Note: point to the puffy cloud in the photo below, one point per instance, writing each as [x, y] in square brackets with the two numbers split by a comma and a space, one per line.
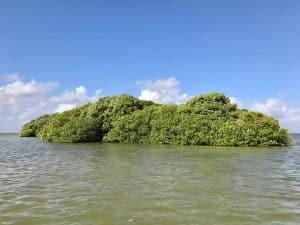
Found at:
[64, 107]
[273, 106]
[32, 88]
[288, 115]
[22, 101]
[70, 99]
[166, 91]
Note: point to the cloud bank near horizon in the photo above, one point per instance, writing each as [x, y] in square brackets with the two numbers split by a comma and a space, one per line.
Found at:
[22, 101]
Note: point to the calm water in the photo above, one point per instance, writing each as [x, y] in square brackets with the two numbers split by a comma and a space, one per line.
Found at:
[43, 183]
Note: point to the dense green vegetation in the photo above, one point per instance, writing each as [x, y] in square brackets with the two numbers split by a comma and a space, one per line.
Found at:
[33, 128]
[208, 119]
[88, 123]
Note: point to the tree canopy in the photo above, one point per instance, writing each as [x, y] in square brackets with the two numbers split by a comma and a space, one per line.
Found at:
[209, 119]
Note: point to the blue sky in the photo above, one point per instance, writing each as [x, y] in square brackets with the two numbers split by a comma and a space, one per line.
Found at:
[246, 49]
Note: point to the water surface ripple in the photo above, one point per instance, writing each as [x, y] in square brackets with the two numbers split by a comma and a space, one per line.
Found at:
[45, 183]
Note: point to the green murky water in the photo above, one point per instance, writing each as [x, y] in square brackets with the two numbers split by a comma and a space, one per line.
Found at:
[44, 183]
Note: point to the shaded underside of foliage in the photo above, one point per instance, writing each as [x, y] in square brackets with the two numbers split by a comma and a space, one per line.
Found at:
[208, 119]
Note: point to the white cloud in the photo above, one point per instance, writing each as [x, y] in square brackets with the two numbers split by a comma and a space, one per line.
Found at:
[22, 101]
[288, 115]
[32, 88]
[273, 106]
[70, 99]
[64, 107]
[166, 91]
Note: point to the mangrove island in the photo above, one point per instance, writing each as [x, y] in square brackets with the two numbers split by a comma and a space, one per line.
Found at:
[208, 119]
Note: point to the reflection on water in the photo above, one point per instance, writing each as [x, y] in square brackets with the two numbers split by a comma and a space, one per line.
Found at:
[44, 183]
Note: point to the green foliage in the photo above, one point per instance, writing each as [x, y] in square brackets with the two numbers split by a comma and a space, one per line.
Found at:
[71, 126]
[212, 105]
[208, 119]
[33, 128]
[251, 129]
[89, 123]
[160, 125]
